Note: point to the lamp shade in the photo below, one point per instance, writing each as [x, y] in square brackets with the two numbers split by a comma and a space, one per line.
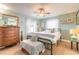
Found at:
[71, 31]
[74, 31]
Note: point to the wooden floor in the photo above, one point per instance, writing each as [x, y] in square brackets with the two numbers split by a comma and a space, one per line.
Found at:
[62, 49]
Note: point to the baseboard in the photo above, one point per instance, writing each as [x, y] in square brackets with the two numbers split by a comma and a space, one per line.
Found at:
[2, 47]
[65, 40]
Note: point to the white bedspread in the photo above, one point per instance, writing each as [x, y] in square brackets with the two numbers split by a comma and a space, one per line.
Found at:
[32, 47]
[50, 36]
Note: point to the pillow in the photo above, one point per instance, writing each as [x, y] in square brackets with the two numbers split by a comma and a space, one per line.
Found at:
[49, 30]
[34, 38]
[46, 30]
[52, 30]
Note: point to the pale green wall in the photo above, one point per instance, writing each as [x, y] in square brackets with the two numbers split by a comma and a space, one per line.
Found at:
[64, 27]
[67, 26]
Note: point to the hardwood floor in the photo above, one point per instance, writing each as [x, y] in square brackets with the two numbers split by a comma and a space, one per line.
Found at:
[62, 49]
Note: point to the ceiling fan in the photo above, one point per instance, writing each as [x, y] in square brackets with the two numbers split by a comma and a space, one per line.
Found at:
[42, 12]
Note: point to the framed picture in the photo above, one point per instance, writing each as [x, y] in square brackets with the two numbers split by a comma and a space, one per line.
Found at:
[67, 21]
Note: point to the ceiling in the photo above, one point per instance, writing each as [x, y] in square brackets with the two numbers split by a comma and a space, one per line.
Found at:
[54, 8]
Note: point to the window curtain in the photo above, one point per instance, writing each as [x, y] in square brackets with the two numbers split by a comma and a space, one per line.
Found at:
[31, 25]
[50, 24]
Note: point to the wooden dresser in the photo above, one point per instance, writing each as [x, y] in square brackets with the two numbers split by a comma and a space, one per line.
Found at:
[9, 35]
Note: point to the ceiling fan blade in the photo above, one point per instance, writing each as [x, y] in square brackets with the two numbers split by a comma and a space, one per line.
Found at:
[48, 13]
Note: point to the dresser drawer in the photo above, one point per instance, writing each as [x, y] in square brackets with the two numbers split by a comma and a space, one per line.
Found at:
[9, 35]
[10, 42]
[13, 31]
[1, 42]
[10, 38]
[9, 29]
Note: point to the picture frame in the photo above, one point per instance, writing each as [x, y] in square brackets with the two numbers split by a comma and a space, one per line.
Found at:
[67, 21]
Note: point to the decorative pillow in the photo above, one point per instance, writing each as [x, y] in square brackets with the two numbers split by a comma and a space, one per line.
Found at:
[34, 38]
[52, 30]
[49, 30]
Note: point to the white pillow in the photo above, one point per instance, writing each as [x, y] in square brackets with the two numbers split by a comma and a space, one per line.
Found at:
[34, 38]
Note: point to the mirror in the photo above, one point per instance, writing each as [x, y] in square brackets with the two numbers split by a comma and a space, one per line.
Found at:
[77, 18]
[1, 21]
[8, 20]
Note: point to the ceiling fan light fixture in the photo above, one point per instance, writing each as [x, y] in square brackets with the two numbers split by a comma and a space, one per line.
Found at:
[42, 12]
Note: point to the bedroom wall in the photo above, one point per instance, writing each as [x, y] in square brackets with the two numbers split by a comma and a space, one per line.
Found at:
[41, 25]
[64, 27]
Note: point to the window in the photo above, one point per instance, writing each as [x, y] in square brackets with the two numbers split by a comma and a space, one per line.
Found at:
[52, 23]
[31, 26]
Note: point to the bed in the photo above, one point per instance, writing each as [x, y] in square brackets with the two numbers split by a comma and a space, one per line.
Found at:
[53, 37]
[46, 37]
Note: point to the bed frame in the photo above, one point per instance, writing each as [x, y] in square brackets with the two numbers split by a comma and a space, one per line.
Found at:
[50, 43]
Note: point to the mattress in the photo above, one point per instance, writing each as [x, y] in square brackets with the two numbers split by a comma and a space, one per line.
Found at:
[53, 37]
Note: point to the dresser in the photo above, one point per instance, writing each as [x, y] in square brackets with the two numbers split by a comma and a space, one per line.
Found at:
[9, 35]
[9, 30]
